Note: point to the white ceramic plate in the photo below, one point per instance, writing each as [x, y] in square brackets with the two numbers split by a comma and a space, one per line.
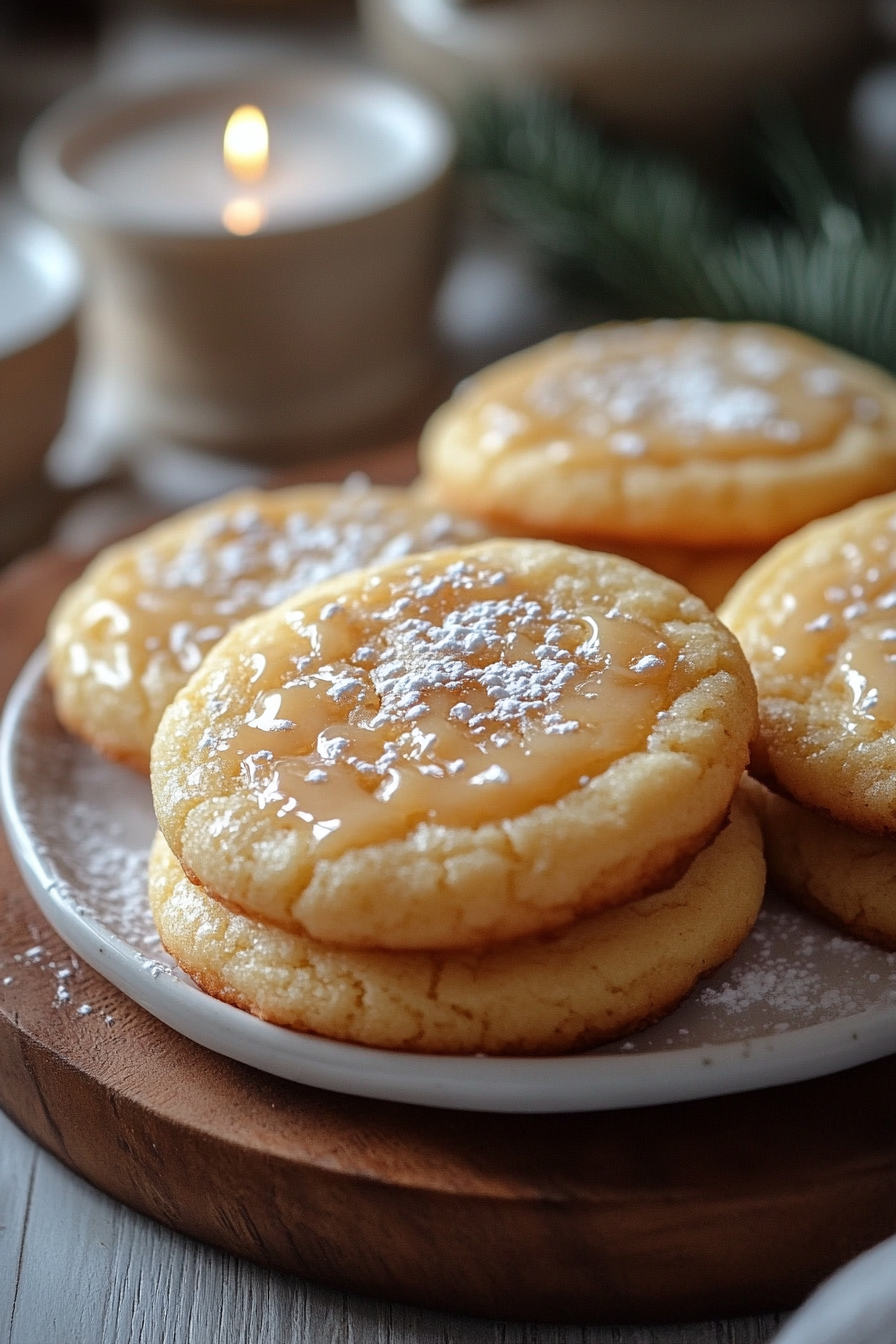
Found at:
[796, 1002]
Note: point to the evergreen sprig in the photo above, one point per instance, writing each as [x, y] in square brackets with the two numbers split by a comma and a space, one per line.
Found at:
[646, 229]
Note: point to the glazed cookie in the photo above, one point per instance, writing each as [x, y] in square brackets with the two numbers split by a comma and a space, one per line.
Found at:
[598, 979]
[672, 433]
[837, 872]
[470, 746]
[128, 634]
[817, 621]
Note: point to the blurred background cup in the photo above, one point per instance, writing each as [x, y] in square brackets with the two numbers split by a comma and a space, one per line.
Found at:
[264, 308]
[681, 71]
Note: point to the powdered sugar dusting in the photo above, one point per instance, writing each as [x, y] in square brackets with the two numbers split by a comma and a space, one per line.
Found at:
[242, 559]
[463, 651]
[794, 984]
[95, 823]
[703, 384]
[791, 972]
[664, 387]
[60, 972]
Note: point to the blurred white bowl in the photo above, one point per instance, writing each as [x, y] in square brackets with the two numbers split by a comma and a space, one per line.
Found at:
[855, 1306]
[40, 288]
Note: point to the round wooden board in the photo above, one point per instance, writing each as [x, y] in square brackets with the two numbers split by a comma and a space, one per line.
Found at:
[714, 1208]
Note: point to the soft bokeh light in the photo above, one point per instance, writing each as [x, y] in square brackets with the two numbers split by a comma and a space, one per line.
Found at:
[246, 144]
[243, 216]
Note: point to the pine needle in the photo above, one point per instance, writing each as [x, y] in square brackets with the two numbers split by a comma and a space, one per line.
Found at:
[645, 229]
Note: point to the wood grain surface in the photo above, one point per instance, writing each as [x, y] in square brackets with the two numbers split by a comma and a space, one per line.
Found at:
[716, 1208]
[79, 1268]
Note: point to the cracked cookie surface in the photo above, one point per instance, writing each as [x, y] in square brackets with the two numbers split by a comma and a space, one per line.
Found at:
[598, 979]
[467, 747]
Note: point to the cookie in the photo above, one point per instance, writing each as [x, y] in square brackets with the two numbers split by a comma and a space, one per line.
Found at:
[686, 433]
[817, 621]
[598, 979]
[131, 631]
[469, 746]
[844, 876]
[709, 573]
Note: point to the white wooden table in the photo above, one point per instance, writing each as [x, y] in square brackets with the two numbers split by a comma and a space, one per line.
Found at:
[78, 1268]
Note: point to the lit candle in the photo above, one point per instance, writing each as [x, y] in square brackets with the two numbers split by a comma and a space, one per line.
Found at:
[264, 251]
[246, 156]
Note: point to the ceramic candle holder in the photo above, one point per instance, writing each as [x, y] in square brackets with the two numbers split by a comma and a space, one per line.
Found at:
[264, 312]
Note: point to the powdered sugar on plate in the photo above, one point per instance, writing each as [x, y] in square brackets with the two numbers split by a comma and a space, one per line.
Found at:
[791, 972]
[93, 824]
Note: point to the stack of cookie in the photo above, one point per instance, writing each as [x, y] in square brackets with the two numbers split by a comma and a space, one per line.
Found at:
[480, 799]
[817, 619]
[690, 446]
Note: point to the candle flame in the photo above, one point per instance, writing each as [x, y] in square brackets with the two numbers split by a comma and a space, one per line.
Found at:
[246, 144]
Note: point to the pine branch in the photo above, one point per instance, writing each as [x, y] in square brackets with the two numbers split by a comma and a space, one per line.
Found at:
[645, 229]
[801, 182]
[634, 223]
[843, 293]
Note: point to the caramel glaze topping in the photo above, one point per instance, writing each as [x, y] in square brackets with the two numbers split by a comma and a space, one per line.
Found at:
[449, 696]
[836, 624]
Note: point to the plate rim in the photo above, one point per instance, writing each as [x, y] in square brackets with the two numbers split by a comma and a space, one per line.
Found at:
[539, 1085]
